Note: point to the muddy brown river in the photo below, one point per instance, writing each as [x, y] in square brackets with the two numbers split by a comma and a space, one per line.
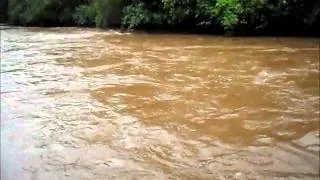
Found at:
[93, 104]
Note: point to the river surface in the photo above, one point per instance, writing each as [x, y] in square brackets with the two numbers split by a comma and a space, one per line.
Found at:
[92, 104]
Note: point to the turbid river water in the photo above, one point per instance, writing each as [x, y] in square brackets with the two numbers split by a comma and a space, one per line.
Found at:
[92, 104]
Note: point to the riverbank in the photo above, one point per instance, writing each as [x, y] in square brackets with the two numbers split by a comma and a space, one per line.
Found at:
[230, 17]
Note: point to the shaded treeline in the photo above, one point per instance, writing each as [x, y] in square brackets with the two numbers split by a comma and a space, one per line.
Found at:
[3, 11]
[277, 17]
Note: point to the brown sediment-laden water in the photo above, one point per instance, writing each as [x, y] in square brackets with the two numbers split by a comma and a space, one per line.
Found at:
[92, 104]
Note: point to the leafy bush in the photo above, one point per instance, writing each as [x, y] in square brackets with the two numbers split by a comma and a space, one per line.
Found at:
[102, 13]
[109, 12]
[135, 15]
[41, 12]
[15, 11]
[234, 13]
[85, 15]
[205, 10]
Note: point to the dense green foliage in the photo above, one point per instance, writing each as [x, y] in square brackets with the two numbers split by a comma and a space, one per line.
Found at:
[42, 12]
[232, 14]
[239, 16]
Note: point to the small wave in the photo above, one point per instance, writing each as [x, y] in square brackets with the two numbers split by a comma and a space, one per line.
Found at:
[266, 75]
